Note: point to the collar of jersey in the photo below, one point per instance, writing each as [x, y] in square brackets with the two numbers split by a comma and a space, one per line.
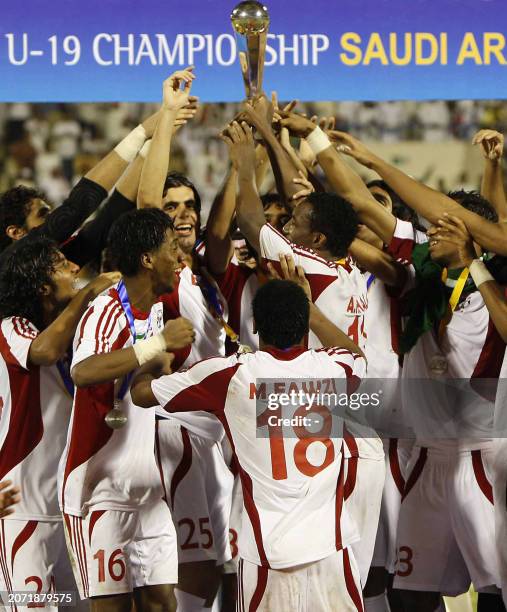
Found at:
[284, 354]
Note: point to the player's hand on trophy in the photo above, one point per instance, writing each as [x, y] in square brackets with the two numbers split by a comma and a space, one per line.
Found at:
[351, 146]
[102, 282]
[239, 139]
[175, 98]
[9, 496]
[178, 333]
[258, 113]
[289, 271]
[491, 142]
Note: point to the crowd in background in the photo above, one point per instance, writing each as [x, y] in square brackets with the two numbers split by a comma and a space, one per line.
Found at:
[53, 145]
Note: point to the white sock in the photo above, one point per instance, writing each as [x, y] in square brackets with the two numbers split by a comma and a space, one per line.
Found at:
[188, 602]
[378, 603]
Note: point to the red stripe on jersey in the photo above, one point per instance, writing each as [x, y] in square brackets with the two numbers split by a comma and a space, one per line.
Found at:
[489, 364]
[77, 550]
[401, 249]
[319, 283]
[94, 517]
[109, 326]
[22, 329]
[66, 519]
[88, 314]
[85, 565]
[248, 498]
[480, 475]
[394, 464]
[339, 504]
[158, 458]
[89, 431]
[98, 329]
[22, 538]
[353, 381]
[210, 393]
[350, 582]
[350, 441]
[184, 465]
[25, 423]
[416, 472]
[350, 483]
[260, 588]
[171, 302]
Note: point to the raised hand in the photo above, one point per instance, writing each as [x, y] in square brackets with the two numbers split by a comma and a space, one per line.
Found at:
[351, 146]
[491, 143]
[178, 333]
[452, 229]
[291, 272]
[186, 113]
[175, 98]
[239, 139]
[298, 125]
[307, 187]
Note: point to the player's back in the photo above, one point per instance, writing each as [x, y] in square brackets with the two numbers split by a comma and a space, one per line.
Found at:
[291, 471]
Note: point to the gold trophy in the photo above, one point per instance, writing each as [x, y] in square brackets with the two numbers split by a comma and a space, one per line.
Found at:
[250, 21]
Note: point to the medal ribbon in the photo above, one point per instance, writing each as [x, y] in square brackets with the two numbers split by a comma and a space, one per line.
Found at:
[369, 282]
[127, 309]
[454, 299]
[64, 372]
[210, 293]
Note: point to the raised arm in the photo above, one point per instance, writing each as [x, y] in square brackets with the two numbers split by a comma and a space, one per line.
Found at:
[259, 115]
[250, 213]
[54, 341]
[492, 187]
[342, 178]
[156, 165]
[381, 264]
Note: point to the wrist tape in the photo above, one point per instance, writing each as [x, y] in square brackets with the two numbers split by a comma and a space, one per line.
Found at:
[147, 349]
[479, 272]
[129, 147]
[318, 141]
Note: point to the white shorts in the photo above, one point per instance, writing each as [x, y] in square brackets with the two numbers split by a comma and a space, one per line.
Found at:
[198, 487]
[397, 455]
[33, 557]
[329, 585]
[364, 482]
[500, 497]
[114, 552]
[231, 567]
[446, 529]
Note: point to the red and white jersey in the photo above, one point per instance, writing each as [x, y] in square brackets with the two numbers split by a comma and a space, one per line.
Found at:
[239, 285]
[471, 349]
[35, 411]
[104, 468]
[338, 289]
[187, 300]
[292, 486]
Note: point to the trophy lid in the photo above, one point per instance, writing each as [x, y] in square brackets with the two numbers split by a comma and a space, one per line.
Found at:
[250, 17]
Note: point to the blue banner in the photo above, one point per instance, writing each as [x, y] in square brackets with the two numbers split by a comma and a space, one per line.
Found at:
[121, 50]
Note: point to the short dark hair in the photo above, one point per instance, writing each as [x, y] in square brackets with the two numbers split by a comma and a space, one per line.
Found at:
[135, 233]
[273, 198]
[24, 270]
[176, 179]
[334, 217]
[400, 210]
[14, 209]
[474, 202]
[281, 312]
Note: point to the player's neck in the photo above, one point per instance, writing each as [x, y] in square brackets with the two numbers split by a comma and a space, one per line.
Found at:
[140, 292]
[325, 254]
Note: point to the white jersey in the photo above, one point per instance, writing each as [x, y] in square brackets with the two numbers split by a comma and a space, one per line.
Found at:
[239, 285]
[339, 290]
[104, 468]
[292, 484]
[470, 350]
[187, 300]
[35, 411]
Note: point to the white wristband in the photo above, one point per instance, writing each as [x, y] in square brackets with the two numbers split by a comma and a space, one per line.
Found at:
[318, 141]
[129, 147]
[479, 272]
[145, 148]
[147, 349]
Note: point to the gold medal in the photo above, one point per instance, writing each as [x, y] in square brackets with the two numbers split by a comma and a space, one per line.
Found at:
[438, 365]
